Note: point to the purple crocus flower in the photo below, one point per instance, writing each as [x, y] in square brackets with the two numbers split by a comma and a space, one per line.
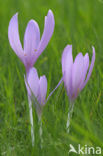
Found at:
[33, 46]
[37, 90]
[75, 75]
[36, 87]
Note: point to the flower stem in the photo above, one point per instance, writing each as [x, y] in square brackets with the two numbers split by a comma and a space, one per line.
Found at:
[31, 120]
[40, 131]
[70, 112]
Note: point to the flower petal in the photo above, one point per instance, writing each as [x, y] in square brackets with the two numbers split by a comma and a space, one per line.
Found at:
[91, 68]
[67, 63]
[77, 73]
[13, 36]
[85, 69]
[61, 80]
[31, 41]
[31, 37]
[33, 82]
[42, 89]
[48, 31]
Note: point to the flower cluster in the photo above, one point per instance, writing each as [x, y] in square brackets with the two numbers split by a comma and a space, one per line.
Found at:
[33, 47]
[75, 74]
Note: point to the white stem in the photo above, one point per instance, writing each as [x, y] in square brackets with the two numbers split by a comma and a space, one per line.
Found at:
[40, 132]
[69, 116]
[31, 120]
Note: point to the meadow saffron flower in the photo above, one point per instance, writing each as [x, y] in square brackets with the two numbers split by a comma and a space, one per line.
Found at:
[36, 88]
[75, 74]
[33, 45]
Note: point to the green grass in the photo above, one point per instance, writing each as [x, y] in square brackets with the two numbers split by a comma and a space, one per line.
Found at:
[77, 22]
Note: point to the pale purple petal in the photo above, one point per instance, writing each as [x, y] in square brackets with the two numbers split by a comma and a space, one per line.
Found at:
[85, 69]
[67, 63]
[91, 68]
[48, 31]
[31, 41]
[13, 36]
[42, 89]
[61, 80]
[33, 82]
[31, 38]
[77, 73]
[65, 56]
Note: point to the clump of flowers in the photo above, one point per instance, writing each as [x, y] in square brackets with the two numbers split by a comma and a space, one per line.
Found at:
[75, 74]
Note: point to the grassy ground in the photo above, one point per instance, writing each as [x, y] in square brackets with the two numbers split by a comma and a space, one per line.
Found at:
[77, 22]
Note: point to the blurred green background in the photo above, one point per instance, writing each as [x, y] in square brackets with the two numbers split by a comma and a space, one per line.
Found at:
[77, 22]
